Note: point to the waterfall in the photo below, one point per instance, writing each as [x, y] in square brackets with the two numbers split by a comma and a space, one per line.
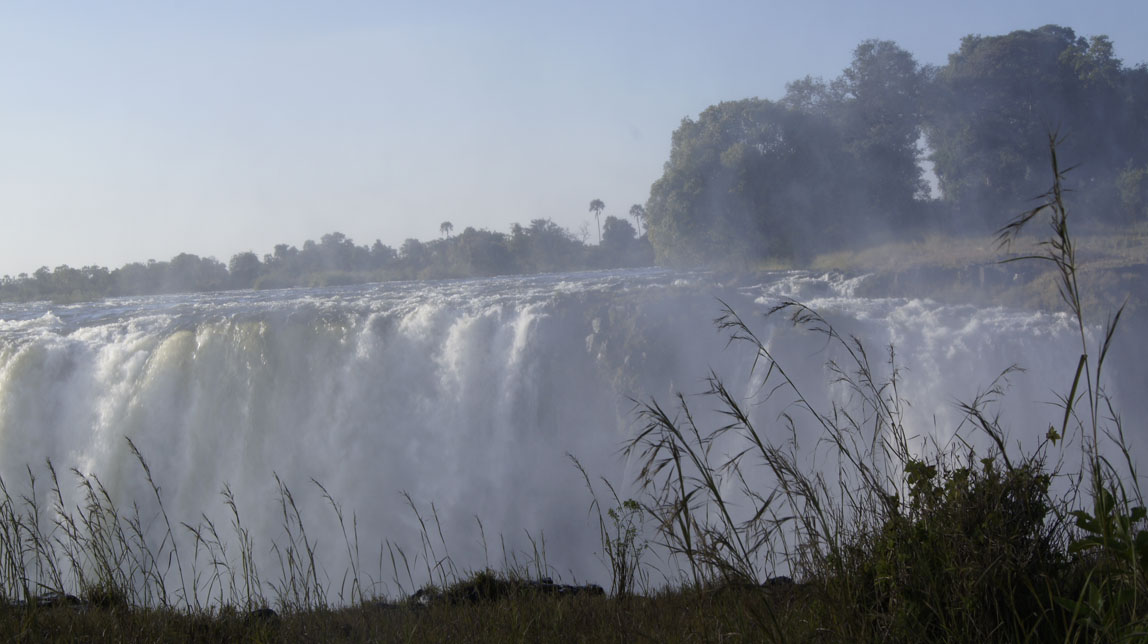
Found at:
[468, 395]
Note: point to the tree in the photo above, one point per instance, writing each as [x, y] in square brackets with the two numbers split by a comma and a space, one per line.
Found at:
[881, 116]
[413, 254]
[877, 107]
[190, 273]
[244, 269]
[617, 240]
[999, 96]
[750, 179]
[545, 246]
[382, 255]
[483, 252]
[811, 96]
[445, 228]
[336, 252]
[596, 207]
[638, 213]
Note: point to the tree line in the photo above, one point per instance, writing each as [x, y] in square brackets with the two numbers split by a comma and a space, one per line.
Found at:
[831, 164]
[842, 162]
[541, 246]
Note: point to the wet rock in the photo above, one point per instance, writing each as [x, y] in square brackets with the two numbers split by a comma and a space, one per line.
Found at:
[485, 587]
[262, 614]
[57, 599]
[52, 600]
[779, 582]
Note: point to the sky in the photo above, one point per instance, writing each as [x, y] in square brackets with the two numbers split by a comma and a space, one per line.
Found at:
[132, 131]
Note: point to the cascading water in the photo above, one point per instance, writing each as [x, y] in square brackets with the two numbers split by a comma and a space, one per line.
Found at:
[465, 394]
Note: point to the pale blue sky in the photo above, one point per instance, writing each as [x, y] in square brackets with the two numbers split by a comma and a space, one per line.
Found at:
[137, 130]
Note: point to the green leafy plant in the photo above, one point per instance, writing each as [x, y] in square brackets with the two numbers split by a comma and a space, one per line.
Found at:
[622, 533]
[1114, 544]
[967, 551]
[624, 545]
[1112, 539]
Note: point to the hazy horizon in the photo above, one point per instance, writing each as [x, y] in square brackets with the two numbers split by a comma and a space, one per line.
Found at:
[135, 132]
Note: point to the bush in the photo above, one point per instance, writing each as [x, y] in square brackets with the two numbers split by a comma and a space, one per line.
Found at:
[970, 555]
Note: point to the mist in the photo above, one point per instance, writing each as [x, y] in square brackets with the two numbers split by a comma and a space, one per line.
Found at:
[470, 397]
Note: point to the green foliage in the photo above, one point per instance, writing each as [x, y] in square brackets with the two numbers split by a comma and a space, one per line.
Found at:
[880, 109]
[1110, 527]
[244, 269]
[623, 538]
[997, 96]
[624, 545]
[967, 556]
[1113, 545]
[839, 163]
[742, 182]
[754, 178]
[620, 246]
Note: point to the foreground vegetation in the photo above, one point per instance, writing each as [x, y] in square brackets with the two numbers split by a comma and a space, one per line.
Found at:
[676, 617]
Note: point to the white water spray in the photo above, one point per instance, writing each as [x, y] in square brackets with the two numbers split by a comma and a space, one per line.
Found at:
[465, 394]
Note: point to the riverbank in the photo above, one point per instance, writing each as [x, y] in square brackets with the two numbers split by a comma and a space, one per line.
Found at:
[1112, 264]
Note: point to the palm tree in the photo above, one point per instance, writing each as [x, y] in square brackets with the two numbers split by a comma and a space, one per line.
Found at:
[638, 213]
[596, 207]
[445, 228]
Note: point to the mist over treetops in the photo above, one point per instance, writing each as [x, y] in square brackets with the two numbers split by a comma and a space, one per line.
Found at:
[843, 162]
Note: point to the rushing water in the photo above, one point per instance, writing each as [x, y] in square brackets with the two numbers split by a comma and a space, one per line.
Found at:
[468, 394]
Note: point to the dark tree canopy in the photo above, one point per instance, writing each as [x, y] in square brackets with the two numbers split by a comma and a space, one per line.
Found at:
[998, 97]
[742, 181]
[841, 162]
[756, 178]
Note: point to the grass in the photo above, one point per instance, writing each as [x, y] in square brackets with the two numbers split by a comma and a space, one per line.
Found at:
[898, 539]
[684, 616]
